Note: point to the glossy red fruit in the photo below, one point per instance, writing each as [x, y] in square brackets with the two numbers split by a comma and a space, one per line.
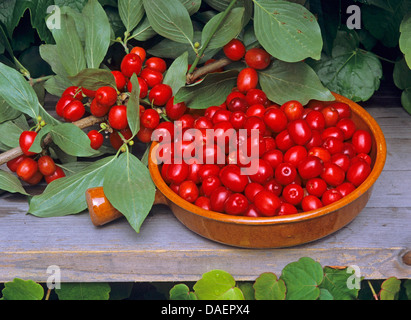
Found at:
[237, 104]
[285, 173]
[26, 139]
[316, 187]
[362, 141]
[130, 64]
[311, 202]
[188, 190]
[295, 155]
[333, 174]
[358, 172]
[267, 203]
[234, 50]
[256, 96]
[346, 188]
[144, 134]
[62, 103]
[177, 173]
[46, 165]
[14, 163]
[117, 117]
[150, 119]
[273, 157]
[96, 139]
[120, 80]
[175, 110]
[315, 119]
[247, 79]
[331, 116]
[98, 110]
[236, 204]
[275, 119]
[157, 64]
[59, 173]
[232, 178]
[252, 189]
[38, 176]
[209, 184]
[343, 109]
[74, 111]
[160, 94]
[151, 77]
[257, 58]
[218, 198]
[286, 209]
[310, 167]
[300, 131]
[115, 139]
[330, 196]
[140, 51]
[293, 109]
[203, 202]
[27, 169]
[264, 172]
[347, 126]
[106, 96]
[293, 193]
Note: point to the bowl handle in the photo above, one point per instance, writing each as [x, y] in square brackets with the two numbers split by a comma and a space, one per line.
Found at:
[102, 211]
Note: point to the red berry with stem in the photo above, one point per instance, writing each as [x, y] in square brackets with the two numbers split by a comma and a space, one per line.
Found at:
[130, 64]
[96, 139]
[160, 94]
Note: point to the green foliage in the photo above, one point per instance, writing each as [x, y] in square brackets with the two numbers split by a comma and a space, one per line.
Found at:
[304, 279]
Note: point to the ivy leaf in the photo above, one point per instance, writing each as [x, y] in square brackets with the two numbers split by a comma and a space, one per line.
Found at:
[229, 29]
[133, 106]
[66, 195]
[355, 75]
[97, 33]
[283, 81]
[72, 140]
[335, 282]
[10, 183]
[131, 12]
[17, 92]
[84, 291]
[302, 279]
[217, 285]
[212, 90]
[170, 19]
[268, 287]
[405, 38]
[176, 73]
[390, 289]
[288, 31]
[19, 289]
[69, 47]
[129, 188]
[181, 292]
[93, 79]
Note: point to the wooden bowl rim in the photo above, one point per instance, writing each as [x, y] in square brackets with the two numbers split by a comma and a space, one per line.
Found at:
[298, 217]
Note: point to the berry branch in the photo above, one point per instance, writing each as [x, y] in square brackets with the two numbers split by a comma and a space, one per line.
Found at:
[82, 124]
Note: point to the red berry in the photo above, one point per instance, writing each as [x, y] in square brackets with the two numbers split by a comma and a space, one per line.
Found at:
[59, 173]
[27, 169]
[247, 79]
[106, 96]
[160, 94]
[74, 111]
[234, 50]
[46, 165]
[26, 139]
[96, 139]
[120, 80]
[62, 103]
[130, 64]
[117, 117]
[150, 119]
[257, 58]
[157, 64]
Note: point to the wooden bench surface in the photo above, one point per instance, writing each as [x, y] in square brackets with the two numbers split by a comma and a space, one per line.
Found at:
[164, 250]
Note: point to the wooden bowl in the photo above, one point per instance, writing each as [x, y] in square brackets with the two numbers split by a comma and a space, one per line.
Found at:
[280, 231]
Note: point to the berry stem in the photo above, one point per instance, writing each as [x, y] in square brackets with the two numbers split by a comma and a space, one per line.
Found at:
[205, 44]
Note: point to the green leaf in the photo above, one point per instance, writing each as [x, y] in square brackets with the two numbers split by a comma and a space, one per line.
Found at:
[229, 29]
[335, 282]
[97, 33]
[72, 140]
[170, 19]
[217, 285]
[176, 73]
[384, 23]
[181, 292]
[355, 75]
[10, 183]
[325, 295]
[212, 90]
[133, 106]
[37, 143]
[268, 287]
[302, 279]
[6, 112]
[17, 92]
[19, 289]
[69, 48]
[11, 130]
[129, 188]
[192, 6]
[283, 81]
[66, 195]
[288, 31]
[56, 85]
[407, 287]
[131, 12]
[93, 79]
[390, 289]
[405, 38]
[84, 291]
[143, 31]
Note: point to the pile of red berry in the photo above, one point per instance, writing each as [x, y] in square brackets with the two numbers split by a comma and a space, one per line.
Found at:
[309, 156]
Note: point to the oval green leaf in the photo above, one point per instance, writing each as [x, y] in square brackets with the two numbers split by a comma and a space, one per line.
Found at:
[288, 31]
